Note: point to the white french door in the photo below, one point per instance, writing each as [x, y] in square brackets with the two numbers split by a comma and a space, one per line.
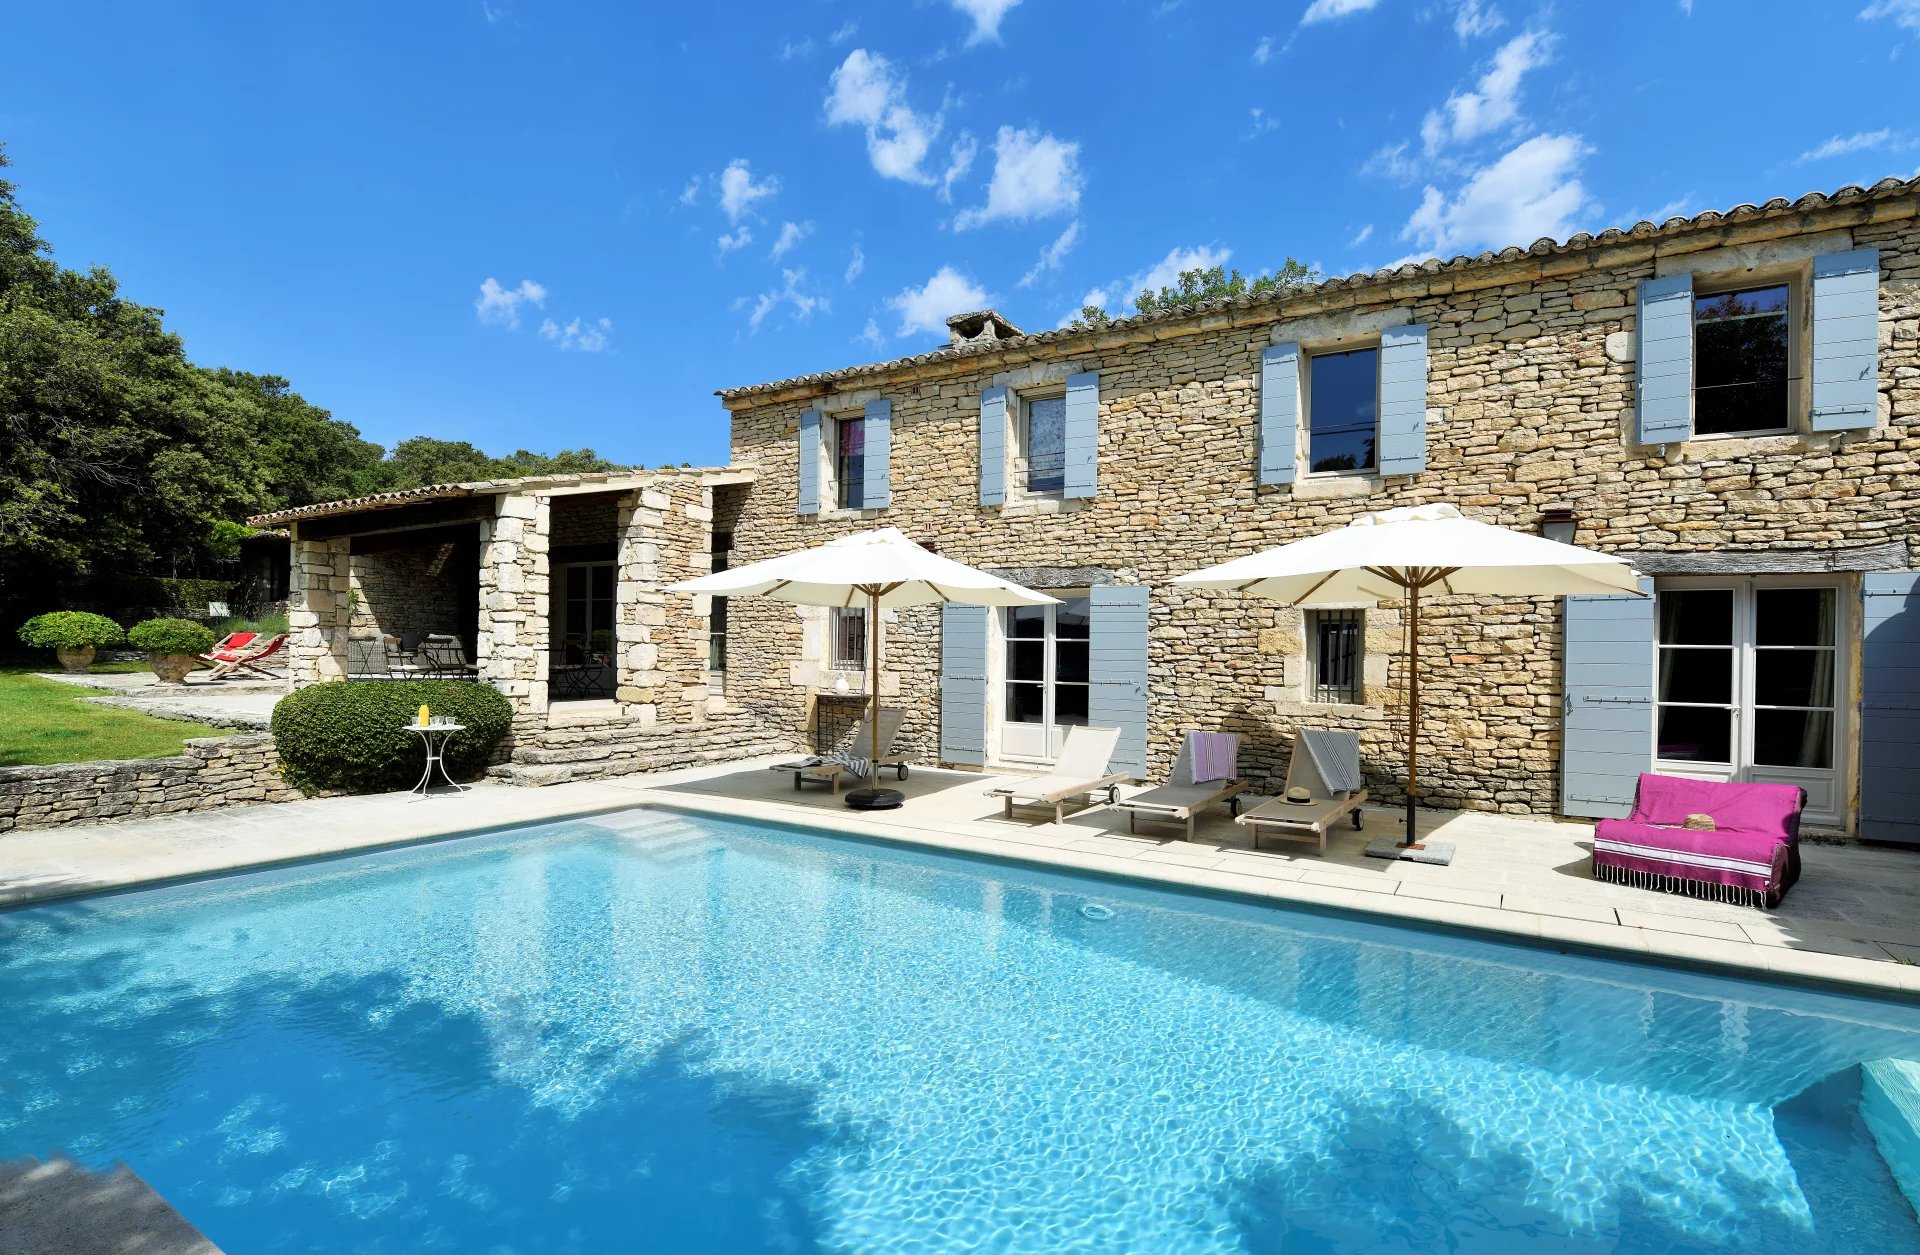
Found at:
[1751, 675]
[1043, 676]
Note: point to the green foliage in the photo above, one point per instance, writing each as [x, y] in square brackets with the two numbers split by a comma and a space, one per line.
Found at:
[46, 721]
[423, 460]
[351, 737]
[264, 626]
[71, 629]
[171, 636]
[1206, 284]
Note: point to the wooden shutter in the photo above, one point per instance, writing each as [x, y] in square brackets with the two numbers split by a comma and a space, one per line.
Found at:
[878, 452]
[810, 462]
[1117, 669]
[963, 684]
[1890, 707]
[1279, 413]
[1846, 340]
[1663, 365]
[993, 446]
[1606, 733]
[1403, 400]
[1083, 433]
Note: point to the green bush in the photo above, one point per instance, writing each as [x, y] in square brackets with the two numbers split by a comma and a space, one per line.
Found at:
[71, 629]
[171, 636]
[351, 736]
[265, 625]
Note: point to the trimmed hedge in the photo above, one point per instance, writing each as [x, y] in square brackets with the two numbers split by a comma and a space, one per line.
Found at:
[351, 736]
[71, 629]
[171, 636]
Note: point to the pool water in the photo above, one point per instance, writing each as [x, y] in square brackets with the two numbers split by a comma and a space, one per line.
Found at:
[648, 1032]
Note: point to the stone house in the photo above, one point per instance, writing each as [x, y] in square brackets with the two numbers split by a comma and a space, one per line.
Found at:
[549, 588]
[1731, 400]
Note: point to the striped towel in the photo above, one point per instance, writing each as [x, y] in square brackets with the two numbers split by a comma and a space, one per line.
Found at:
[1216, 755]
[862, 767]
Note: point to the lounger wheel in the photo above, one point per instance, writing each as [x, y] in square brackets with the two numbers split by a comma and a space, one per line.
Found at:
[1359, 818]
[902, 769]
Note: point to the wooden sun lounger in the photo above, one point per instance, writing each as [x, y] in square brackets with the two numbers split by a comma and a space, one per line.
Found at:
[1079, 772]
[817, 771]
[1183, 797]
[1327, 765]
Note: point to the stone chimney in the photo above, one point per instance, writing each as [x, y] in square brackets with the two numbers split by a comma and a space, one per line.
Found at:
[982, 326]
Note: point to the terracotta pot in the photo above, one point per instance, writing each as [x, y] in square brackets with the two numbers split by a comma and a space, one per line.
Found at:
[171, 668]
[77, 658]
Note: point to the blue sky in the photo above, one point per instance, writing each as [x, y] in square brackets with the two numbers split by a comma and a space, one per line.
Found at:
[550, 225]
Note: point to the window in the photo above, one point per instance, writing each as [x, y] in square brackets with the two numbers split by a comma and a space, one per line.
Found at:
[1741, 350]
[847, 639]
[1334, 650]
[850, 462]
[1343, 410]
[1048, 668]
[1040, 440]
[721, 547]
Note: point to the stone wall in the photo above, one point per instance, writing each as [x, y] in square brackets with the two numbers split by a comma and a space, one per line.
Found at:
[1531, 395]
[411, 590]
[214, 772]
[615, 744]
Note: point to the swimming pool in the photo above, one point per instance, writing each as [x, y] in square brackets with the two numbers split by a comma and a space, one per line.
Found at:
[654, 1032]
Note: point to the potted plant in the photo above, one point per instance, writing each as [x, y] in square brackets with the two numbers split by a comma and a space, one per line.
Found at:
[171, 645]
[72, 635]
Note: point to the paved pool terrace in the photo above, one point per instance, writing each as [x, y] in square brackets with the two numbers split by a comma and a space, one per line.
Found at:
[1853, 919]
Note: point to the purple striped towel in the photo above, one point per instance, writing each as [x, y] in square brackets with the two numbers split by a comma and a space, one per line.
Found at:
[1216, 755]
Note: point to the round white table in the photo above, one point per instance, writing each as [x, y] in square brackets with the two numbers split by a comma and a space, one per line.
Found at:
[434, 751]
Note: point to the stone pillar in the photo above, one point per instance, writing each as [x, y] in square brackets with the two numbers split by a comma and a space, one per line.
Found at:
[640, 611]
[513, 629]
[319, 605]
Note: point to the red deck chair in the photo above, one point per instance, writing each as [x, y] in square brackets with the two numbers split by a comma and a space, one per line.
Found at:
[245, 660]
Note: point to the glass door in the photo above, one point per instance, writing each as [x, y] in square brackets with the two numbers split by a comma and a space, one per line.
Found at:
[1045, 677]
[1749, 684]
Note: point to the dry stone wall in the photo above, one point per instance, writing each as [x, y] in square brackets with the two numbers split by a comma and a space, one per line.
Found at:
[1531, 396]
[214, 772]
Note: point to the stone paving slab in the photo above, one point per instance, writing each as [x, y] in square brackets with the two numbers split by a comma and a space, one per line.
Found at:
[57, 1207]
[1848, 921]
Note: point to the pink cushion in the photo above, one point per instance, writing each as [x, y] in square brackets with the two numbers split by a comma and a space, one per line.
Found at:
[1757, 808]
[1748, 860]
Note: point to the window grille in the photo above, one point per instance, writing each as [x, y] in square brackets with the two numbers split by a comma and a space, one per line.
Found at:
[1334, 651]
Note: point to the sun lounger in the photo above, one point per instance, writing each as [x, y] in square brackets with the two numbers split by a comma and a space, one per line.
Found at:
[1204, 774]
[828, 769]
[1327, 765]
[1083, 769]
[246, 659]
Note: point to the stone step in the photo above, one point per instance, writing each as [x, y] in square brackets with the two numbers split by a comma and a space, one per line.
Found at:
[538, 755]
[531, 775]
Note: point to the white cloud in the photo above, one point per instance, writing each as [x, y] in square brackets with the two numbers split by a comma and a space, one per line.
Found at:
[986, 15]
[872, 335]
[927, 307]
[691, 192]
[500, 307]
[1361, 236]
[1532, 191]
[1861, 141]
[737, 240]
[578, 336]
[796, 49]
[1035, 175]
[1263, 50]
[848, 30]
[791, 233]
[856, 265]
[494, 13]
[789, 293]
[866, 92]
[959, 161]
[1472, 19]
[1262, 122]
[738, 191]
[1328, 10]
[1905, 13]
[1394, 162]
[1053, 254]
[1495, 100]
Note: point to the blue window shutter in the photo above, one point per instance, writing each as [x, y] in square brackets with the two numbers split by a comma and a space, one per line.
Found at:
[810, 462]
[1117, 667]
[963, 684]
[1890, 707]
[1846, 340]
[1403, 400]
[878, 451]
[1083, 433]
[1606, 733]
[1663, 365]
[1279, 412]
[993, 446]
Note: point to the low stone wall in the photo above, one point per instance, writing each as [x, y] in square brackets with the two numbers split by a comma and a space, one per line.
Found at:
[214, 772]
[590, 749]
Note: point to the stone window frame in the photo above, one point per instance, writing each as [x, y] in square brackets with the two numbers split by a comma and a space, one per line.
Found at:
[837, 616]
[834, 410]
[1019, 438]
[832, 424]
[1311, 685]
[1798, 278]
[1303, 444]
[1333, 332]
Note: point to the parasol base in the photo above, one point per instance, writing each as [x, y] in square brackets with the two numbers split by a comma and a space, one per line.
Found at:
[1439, 853]
[876, 799]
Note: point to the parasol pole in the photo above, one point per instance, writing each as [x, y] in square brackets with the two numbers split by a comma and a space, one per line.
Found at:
[873, 647]
[1413, 703]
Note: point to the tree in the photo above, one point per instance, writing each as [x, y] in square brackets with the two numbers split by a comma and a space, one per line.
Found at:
[1206, 284]
[424, 460]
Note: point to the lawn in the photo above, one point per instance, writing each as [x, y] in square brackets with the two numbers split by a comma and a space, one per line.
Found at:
[44, 721]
